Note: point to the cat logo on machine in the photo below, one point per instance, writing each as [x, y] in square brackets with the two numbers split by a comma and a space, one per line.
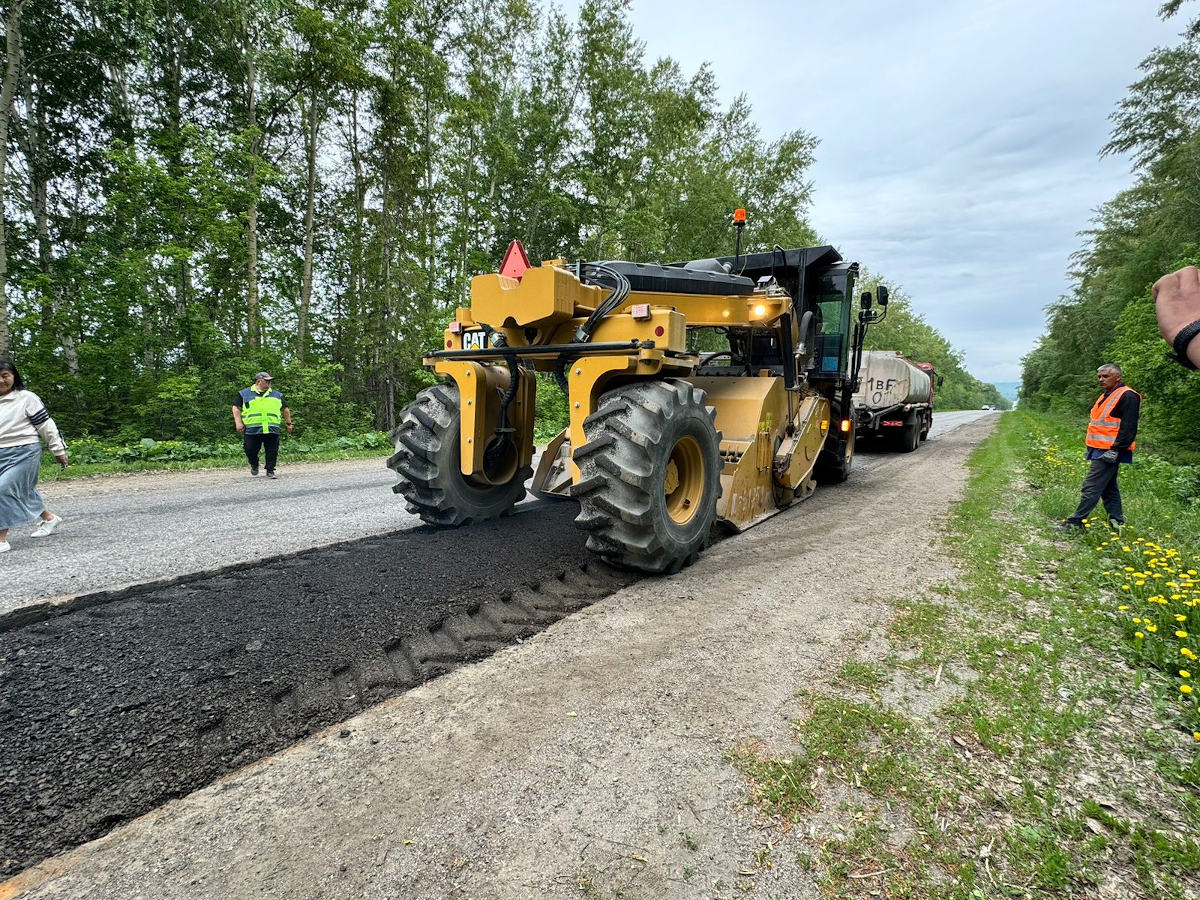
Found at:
[475, 340]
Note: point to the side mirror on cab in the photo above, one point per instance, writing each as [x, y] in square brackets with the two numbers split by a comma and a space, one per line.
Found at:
[865, 301]
[882, 294]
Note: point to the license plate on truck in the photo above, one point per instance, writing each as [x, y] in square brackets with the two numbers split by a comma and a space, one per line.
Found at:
[475, 340]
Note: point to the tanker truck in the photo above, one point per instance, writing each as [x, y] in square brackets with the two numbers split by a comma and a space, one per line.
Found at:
[894, 400]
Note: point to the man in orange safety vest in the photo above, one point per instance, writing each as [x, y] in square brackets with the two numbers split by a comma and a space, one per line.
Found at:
[1110, 442]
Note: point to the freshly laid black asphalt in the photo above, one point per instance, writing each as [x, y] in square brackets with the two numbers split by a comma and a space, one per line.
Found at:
[106, 713]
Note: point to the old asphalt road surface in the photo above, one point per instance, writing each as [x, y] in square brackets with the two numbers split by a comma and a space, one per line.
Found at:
[111, 711]
[126, 530]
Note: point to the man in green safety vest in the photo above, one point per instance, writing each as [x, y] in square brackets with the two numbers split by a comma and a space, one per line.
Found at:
[258, 413]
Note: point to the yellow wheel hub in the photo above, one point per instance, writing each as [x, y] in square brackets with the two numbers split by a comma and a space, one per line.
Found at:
[684, 482]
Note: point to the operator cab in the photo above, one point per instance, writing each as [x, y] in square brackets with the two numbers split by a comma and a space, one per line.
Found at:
[819, 282]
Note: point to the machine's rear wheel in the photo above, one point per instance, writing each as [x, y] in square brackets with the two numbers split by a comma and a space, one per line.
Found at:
[427, 461]
[650, 475]
[833, 467]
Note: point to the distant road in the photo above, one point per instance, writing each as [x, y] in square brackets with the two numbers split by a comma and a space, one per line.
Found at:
[948, 421]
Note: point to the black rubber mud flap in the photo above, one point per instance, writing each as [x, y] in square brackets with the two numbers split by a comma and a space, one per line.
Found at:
[910, 435]
[650, 476]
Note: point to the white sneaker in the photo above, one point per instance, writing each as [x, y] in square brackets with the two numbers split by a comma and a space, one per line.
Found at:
[5, 546]
[47, 526]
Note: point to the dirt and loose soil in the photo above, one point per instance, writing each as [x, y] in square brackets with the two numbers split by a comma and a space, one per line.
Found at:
[589, 760]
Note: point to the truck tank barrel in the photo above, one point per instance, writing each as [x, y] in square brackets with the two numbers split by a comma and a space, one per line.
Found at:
[888, 379]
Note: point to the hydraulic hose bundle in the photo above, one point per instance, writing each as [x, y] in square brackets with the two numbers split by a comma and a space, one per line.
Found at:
[618, 284]
[602, 275]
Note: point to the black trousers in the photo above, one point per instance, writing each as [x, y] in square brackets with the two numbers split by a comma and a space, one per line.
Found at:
[269, 442]
[1100, 485]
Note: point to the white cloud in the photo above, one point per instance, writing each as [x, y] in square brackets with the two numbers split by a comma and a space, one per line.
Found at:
[959, 141]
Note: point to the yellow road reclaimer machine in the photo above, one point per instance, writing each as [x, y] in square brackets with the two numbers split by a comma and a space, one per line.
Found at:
[664, 439]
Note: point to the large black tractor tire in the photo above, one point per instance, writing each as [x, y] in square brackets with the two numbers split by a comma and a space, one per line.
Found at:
[650, 476]
[833, 467]
[427, 461]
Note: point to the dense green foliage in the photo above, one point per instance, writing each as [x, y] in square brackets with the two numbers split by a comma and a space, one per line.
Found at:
[905, 330]
[93, 450]
[194, 191]
[1144, 232]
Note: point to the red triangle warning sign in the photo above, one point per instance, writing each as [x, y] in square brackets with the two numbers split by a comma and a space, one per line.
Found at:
[515, 261]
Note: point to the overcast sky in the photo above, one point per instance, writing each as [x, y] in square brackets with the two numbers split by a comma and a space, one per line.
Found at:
[959, 140]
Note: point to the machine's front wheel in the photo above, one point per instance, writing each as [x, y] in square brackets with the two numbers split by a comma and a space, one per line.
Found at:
[650, 475]
[427, 461]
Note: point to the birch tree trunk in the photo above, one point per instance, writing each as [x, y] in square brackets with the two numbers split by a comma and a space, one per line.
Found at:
[311, 133]
[8, 93]
[39, 202]
[254, 325]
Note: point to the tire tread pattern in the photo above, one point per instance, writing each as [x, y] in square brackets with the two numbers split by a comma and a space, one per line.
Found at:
[426, 443]
[626, 439]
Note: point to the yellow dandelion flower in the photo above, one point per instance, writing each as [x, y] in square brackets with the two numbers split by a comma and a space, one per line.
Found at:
[1181, 634]
[1152, 628]
[1184, 673]
[1138, 635]
[1180, 617]
[1126, 607]
[1185, 688]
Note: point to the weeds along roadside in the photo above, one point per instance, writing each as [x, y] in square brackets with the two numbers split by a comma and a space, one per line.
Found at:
[94, 456]
[1016, 738]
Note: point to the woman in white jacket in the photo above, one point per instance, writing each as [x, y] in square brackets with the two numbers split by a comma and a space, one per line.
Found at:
[23, 421]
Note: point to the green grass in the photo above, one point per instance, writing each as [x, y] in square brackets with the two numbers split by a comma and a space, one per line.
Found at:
[1066, 760]
[868, 676]
[97, 456]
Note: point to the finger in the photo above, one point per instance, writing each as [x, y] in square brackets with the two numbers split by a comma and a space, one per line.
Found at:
[1161, 284]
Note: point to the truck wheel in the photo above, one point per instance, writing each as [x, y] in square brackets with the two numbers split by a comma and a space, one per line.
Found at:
[650, 476]
[427, 461]
[910, 434]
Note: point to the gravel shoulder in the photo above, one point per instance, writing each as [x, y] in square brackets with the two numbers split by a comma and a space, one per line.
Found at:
[589, 758]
